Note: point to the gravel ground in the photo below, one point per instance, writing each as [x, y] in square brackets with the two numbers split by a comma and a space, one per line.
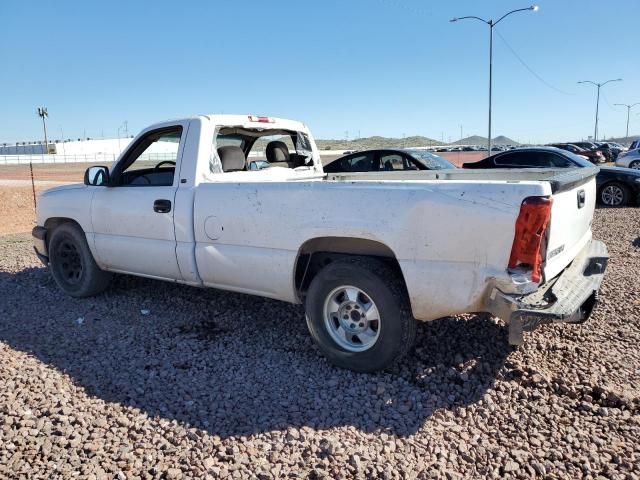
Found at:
[155, 380]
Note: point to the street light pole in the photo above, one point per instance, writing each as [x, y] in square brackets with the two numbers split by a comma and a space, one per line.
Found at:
[599, 85]
[490, 139]
[629, 107]
[492, 24]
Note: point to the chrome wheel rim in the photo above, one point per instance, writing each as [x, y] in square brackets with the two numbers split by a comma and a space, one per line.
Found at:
[612, 195]
[635, 165]
[351, 318]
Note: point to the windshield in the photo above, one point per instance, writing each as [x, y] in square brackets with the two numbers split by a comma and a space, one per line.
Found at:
[429, 160]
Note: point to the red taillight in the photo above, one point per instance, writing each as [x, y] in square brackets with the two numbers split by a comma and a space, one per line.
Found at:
[535, 213]
[256, 118]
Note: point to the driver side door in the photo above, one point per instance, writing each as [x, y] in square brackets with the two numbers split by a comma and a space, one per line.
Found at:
[133, 217]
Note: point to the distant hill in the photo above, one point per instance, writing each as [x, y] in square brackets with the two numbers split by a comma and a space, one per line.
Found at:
[376, 142]
[478, 140]
[502, 140]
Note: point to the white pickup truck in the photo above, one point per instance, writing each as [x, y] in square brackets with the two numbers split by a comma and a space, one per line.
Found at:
[368, 254]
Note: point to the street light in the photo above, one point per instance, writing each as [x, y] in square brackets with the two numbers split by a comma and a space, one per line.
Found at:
[629, 107]
[491, 23]
[595, 130]
[42, 113]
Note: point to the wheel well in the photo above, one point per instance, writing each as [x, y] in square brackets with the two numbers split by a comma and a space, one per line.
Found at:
[54, 222]
[319, 252]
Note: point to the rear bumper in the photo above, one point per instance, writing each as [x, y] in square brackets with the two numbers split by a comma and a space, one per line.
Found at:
[40, 243]
[570, 297]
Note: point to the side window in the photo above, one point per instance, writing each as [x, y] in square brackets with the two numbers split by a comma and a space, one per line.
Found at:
[509, 159]
[559, 161]
[525, 160]
[152, 161]
[358, 163]
[393, 161]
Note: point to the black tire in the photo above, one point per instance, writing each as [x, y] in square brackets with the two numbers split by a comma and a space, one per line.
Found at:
[386, 289]
[622, 194]
[635, 164]
[72, 265]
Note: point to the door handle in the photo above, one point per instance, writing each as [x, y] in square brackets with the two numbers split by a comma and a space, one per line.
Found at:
[581, 198]
[162, 206]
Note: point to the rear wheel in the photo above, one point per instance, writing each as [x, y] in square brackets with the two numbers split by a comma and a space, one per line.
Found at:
[635, 165]
[72, 264]
[358, 314]
[614, 194]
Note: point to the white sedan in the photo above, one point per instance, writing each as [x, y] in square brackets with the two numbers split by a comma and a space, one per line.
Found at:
[630, 159]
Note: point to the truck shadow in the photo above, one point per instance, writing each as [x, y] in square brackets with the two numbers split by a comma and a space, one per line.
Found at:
[235, 365]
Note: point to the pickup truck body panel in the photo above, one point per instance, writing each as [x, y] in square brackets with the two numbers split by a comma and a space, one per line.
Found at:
[129, 236]
[438, 233]
[570, 227]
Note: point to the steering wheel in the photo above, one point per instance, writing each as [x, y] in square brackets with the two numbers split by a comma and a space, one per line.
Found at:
[169, 162]
[142, 178]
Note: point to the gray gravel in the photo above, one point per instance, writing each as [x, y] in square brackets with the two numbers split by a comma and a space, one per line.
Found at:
[154, 380]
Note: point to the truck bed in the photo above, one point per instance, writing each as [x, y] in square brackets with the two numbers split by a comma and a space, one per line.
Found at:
[559, 178]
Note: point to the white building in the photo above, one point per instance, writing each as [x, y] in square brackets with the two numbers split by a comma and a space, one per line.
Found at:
[107, 146]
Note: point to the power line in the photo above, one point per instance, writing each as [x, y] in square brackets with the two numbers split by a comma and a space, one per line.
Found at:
[524, 64]
[607, 101]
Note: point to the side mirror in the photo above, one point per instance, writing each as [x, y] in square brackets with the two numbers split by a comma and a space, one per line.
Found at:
[96, 176]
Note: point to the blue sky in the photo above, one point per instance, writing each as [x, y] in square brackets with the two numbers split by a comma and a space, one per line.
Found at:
[377, 67]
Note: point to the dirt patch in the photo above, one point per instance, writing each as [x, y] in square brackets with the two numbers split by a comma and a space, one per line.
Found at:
[16, 209]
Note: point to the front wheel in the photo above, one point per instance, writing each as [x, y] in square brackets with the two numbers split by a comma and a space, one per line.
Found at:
[358, 314]
[72, 264]
[614, 194]
[635, 165]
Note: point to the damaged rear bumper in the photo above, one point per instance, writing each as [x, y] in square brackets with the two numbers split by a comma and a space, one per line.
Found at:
[570, 297]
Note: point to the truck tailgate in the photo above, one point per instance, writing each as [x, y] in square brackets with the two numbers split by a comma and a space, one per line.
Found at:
[574, 199]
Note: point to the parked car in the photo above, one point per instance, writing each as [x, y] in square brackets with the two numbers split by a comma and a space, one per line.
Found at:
[366, 253]
[593, 156]
[612, 148]
[635, 144]
[388, 160]
[629, 159]
[616, 187]
[585, 145]
[596, 146]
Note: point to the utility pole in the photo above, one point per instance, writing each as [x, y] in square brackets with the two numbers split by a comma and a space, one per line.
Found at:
[43, 114]
[599, 85]
[629, 107]
[120, 128]
[491, 23]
